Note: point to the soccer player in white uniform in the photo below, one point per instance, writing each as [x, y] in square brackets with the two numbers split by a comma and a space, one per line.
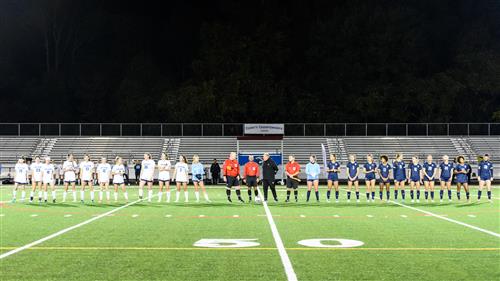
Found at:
[164, 167]
[147, 173]
[20, 179]
[86, 177]
[103, 176]
[181, 177]
[49, 173]
[118, 171]
[69, 169]
[36, 178]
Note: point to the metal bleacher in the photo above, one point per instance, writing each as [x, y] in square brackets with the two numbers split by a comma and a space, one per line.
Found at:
[11, 148]
[490, 145]
[207, 148]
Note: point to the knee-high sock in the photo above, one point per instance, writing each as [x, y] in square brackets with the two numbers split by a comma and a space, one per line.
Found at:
[168, 196]
[381, 195]
[238, 193]
[249, 192]
[403, 194]
[348, 195]
[197, 195]
[458, 195]
[40, 194]
[388, 195]
[186, 196]
[411, 194]
[489, 194]
[432, 195]
[308, 195]
[441, 193]
[14, 192]
[373, 195]
[115, 194]
[328, 194]
[336, 195]
[108, 195]
[160, 194]
[53, 194]
[396, 194]
[288, 195]
[357, 195]
[150, 194]
[449, 194]
[92, 195]
[45, 195]
[228, 192]
[125, 194]
[206, 196]
[100, 195]
[317, 195]
[141, 192]
[82, 195]
[368, 196]
[296, 194]
[32, 193]
[479, 194]
[74, 195]
[64, 195]
[23, 195]
[418, 194]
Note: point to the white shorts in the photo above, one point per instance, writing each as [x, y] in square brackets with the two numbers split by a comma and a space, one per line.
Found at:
[69, 177]
[104, 180]
[86, 177]
[164, 176]
[48, 180]
[37, 177]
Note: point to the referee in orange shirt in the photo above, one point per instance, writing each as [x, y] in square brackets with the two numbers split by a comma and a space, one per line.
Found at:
[251, 177]
[231, 173]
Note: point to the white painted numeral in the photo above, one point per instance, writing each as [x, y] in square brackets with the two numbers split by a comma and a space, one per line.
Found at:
[226, 243]
[318, 243]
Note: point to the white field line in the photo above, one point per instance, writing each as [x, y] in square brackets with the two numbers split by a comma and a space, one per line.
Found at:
[287, 264]
[448, 219]
[61, 232]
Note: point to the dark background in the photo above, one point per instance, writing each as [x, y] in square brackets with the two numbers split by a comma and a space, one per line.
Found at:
[250, 61]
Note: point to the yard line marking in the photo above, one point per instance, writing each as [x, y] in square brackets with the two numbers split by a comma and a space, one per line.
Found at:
[448, 219]
[336, 216]
[472, 216]
[404, 216]
[201, 216]
[73, 248]
[67, 216]
[236, 216]
[302, 216]
[34, 215]
[285, 260]
[135, 215]
[2, 215]
[168, 216]
[370, 216]
[60, 232]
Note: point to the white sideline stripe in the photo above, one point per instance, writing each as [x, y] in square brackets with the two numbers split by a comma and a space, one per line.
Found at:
[285, 260]
[67, 216]
[404, 216]
[61, 232]
[370, 216]
[2, 215]
[472, 216]
[34, 215]
[448, 219]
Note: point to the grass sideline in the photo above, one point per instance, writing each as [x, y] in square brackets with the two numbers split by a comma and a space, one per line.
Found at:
[154, 241]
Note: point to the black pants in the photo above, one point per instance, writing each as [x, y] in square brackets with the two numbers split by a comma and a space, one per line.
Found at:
[125, 177]
[266, 184]
[215, 178]
[137, 175]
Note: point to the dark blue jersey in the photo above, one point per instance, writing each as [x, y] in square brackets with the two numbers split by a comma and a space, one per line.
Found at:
[446, 170]
[461, 177]
[429, 169]
[370, 167]
[485, 170]
[415, 171]
[399, 170]
[333, 165]
[384, 170]
[352, 168]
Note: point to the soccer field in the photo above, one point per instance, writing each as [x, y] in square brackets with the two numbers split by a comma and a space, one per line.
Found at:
[161, 241]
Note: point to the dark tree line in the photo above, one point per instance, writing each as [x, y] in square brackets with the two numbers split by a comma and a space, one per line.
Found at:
[250, 61]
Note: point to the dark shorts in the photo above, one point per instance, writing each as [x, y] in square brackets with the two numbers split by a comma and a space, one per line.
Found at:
[232, 181]
[445, 179]
[355, 179]
[382, 181]
[428, 179]
[400, 179]
[69, 181]
[251, 181]
[370, 177]
[333, 177]
[146, 181]
[292, 183]
[484, 178]
[415, 180]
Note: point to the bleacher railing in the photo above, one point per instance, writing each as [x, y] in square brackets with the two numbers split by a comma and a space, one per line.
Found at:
[236, 129]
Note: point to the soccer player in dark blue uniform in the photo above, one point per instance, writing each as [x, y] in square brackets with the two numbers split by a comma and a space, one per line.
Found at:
[446, 172]
[369, 170]
[414, 177]
[399, 172]
[384, 170]
[352, 177]
[461, 176]
[430, 172]
[333, 168]
[485, 176]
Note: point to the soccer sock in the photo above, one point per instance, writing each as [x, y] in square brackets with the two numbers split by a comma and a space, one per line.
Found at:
[249, 194]
[45, 195]
[64, 195]
[206, 196]
[238, 193]
[74, 195]
[31, 195]
[412, 194]
[150, 194]
[336, 195]
[348, 195]
[426, 194]
[458, 195]
[82, 195]
[256, 192]
[449, 194]
[432, 195]
[228, 193]
[100, 195]
[373, 195]
[115, 195]
[388, 194]
[418, 194]
[317, 195]
[296, 194]
[40, 195]
[108, 195]
[197, 195]
[141, 192]
[186, 196]
[308, 195]
[441, 193]
[14, 192]
[328, 194]
[368, 196]
[160, 194]
[53, 194]
[467, 194]
[168, 196]
[125, 194]
[357, 195]
[479, 194]
[288, 195]
[92, 195]
[403, 194]
[489, 194]
[396, 194]
[381, 195]
[23, 195]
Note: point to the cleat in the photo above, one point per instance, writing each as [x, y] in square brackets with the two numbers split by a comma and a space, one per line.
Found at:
[53, 201]
[296, 200]
[449, 200]
[229, 199]
[287, 201]
[140, 197]
[327, 200]
[241, 200]
[412, 201]
[275, 199]
[440, 200]
[357, 201]
[418, 200]
[336, 200]
[45, 201]
[348, 200]
[13, 200]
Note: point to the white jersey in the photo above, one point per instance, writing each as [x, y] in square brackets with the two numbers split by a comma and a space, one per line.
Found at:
[48, 173]
[147, 170]
[118, 171]
[36, 171]
[86, 170]
[69, 169]
[165, 166]
[21, 173]
[181, 172]
[103, 172]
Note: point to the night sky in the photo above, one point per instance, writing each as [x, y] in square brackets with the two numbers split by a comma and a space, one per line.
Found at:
[250, 61]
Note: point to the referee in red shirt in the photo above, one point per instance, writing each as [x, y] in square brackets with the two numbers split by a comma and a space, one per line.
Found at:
[251, 177]
[231, 173]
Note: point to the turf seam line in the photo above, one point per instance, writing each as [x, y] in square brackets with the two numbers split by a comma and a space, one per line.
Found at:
[448, 219]
[285, 259]
[60, 232]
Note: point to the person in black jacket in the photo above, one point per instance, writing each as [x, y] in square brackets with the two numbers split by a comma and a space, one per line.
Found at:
[269, 170]
[215, 171]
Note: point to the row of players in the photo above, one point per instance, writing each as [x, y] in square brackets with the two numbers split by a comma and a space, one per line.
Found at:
[43, 175]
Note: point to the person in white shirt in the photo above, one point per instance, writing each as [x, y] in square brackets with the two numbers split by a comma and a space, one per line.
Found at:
[103, 175]
[87, 177]
[49, 173]
[147, 173]
[36, 178]
[118, 171]
[20, 178]
[181, 177]
[164, 168]
[69, 169]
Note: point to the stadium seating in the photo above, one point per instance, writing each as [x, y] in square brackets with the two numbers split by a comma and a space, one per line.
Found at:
[11, 148]
[490, 145]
